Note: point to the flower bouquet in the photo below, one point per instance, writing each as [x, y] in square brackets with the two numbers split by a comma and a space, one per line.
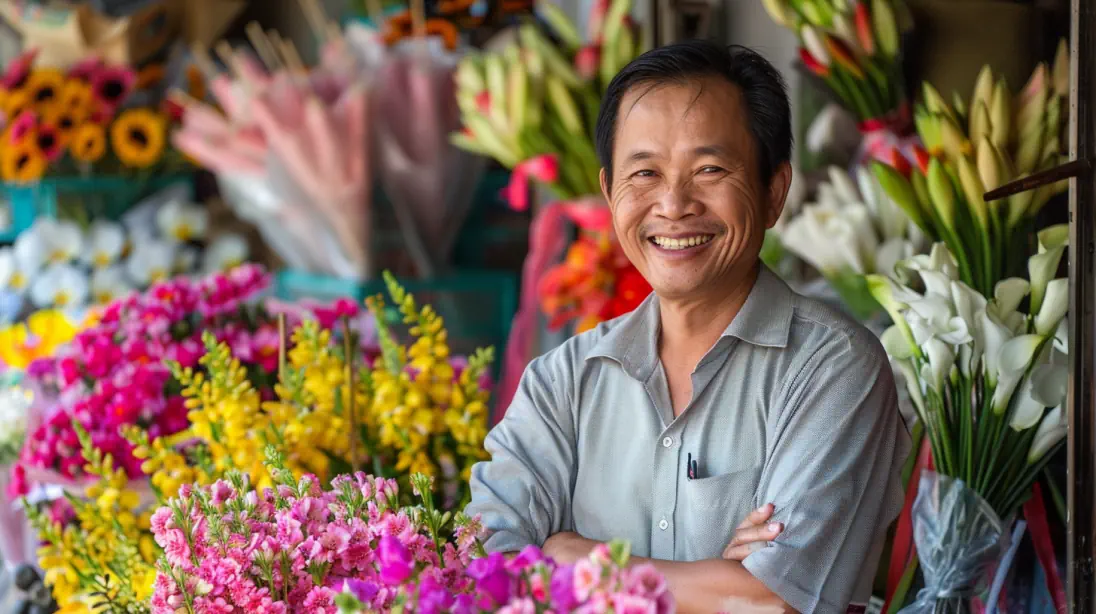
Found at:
[982, 375]
[79, 122]
[854, 48]
[112, 374]
[62, 265]
[974, 147]
[290, 150]
[532, 107]
[413, 407]
[850, 232]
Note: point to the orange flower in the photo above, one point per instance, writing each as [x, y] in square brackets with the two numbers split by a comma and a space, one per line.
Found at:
[22, 162]
[89, 143]
[44, 85]
[138, 137]
[150, 76]
[76, 95]
[16, 102]
[65, 120]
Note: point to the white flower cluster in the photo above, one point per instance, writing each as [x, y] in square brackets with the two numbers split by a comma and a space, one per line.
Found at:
[58, 264]
[850, 229]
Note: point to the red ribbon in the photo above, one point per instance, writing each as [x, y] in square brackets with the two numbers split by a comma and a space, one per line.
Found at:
[1035, 512]
[903, 548]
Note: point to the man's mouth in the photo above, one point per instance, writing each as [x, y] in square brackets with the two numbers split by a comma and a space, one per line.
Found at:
[681, 243]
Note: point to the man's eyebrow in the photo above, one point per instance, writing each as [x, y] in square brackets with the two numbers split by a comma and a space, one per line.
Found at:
[642, 154]
[711, 150]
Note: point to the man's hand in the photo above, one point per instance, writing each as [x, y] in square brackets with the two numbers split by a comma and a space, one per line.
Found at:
[753, 534]
[567, 548]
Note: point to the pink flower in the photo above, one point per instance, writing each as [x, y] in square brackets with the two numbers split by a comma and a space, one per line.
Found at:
[112, 85]
[86, 69]
[624, 603]
[18, 70]
[587, 61]
[521, 606]
[644, 580]
[587, 578]
[22, 126]
[395, 561]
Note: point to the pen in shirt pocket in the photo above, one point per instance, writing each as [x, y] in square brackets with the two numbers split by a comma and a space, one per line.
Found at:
[691, 470]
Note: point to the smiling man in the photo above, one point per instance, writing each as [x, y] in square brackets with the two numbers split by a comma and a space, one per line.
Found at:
[725, 399]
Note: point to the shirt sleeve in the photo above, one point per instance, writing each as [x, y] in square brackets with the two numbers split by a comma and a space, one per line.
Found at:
[834, 476]
[523, 494]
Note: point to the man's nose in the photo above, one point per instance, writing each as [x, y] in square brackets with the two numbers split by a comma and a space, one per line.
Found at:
[677, 201]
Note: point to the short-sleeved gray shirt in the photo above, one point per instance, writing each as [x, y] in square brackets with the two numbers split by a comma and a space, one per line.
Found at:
[795, 405]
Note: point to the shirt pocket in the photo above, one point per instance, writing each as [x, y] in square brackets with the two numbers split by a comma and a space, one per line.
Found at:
[713, 508]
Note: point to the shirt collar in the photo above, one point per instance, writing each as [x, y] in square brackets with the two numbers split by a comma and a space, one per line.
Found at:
[764, 320]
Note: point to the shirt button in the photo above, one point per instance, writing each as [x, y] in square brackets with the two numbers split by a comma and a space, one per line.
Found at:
[662, 524]
[667, 442]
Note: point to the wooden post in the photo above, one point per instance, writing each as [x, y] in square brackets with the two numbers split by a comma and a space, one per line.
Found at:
[1082, 345]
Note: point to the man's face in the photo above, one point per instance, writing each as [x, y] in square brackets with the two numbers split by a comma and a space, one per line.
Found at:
[688, 204]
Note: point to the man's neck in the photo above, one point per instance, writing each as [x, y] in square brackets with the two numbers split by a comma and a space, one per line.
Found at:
[693, 325]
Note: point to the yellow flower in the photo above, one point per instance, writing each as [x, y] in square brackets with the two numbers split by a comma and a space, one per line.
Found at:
[138, 137]
[44, 331]
[44, 85]
[89, 143]
[22, 162]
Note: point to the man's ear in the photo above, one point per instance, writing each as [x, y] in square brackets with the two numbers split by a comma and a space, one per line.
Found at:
[778, 193]
[603, 177]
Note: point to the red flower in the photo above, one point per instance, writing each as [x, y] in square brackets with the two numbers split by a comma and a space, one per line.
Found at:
[631, 290]
[23, 126]
[86, 69]
[112, 85]
[863, 28]
[895, 158]
[812, 64]
[922, 158]
[49, 141]
[587, 61]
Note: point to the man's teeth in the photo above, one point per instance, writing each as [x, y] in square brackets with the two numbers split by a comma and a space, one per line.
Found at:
[684, 243]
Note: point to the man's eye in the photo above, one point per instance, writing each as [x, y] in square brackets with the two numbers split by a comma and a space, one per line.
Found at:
[711, 169]
[644, 173]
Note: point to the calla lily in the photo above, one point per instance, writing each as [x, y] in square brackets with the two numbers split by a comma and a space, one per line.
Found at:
[1052, 430]
[994, 336]
[1012, 361]
[61, 286]
[182, 221]
[225, 252]
[106, 241]
[1008, 293]
[1053, 237]
[1054, 307]
[969, 306]
[895, 344]
[1061, 336]
[1045, 387]
[150, 262]
[109, 284]
[1042, 268]
[843, 185]
[813, 43]
[941, 360]
[931, 317]
[891, 252]
[905, 367]
[892, 220]
[893, 298]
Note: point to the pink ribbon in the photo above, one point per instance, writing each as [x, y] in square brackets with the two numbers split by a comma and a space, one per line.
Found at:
[546, 240]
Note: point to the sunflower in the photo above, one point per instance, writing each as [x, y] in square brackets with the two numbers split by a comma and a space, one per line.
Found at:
[22, 162]
[89, 143]
[45, 85]
[77, 95]
[50, 142]
[65, 120]
[138, 137]
[15, 103]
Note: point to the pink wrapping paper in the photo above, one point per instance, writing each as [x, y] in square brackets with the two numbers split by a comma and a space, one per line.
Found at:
[547, 240]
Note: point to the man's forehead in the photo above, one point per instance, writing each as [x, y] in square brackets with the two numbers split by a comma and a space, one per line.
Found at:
[706, 111]
[683, 99]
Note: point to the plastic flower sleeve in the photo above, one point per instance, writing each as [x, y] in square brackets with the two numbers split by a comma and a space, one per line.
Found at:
[959, 538]
[429, 182]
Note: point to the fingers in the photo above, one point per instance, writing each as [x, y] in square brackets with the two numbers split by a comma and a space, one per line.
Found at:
[751, 539]
[759, 516]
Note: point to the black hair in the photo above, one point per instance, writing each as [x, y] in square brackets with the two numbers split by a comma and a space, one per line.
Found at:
[763, 90]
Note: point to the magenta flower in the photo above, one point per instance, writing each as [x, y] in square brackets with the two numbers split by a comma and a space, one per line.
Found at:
[18, 70]
[395, 560]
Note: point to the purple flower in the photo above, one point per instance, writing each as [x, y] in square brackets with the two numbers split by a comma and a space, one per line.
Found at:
[362, 590]
[395, 560]
[492, 579]
[529, 556]
[563, 589]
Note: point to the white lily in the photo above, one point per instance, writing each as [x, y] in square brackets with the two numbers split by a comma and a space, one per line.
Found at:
[182, 221]
[941, 360]
[891, 252]
[1042, 268]
[1053, 237]
[905, 367]
[20, 263]
[1008, 293]
[1061, 336]
[225, 252]
[60, 286]
[843, 186]
[931, 316]
[937, 269]
[892, 222]
[1052, 429]
[1055, 305]
[895, 344]
[994, 336]
[109, 284]
[106, 241]
[1045, 387]
[63, 241]
[806, 236]
[969, 306]
[1013, 361]
[150, 262]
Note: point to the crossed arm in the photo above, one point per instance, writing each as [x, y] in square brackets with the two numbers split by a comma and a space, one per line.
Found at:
[718, 585]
